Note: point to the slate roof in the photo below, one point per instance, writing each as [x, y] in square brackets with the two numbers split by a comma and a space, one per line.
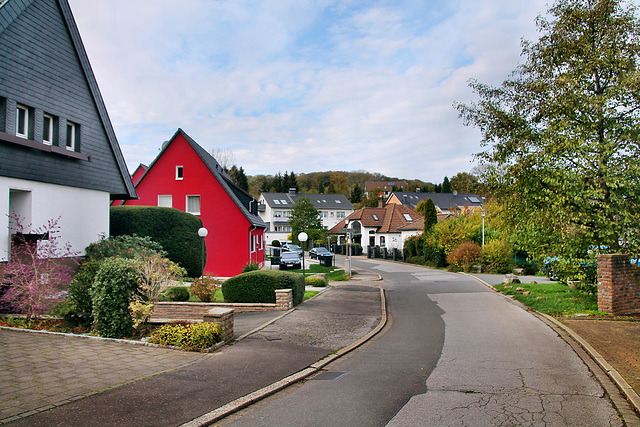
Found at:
[41, 71]
[445, 201]
[319, 201]
[241, 198]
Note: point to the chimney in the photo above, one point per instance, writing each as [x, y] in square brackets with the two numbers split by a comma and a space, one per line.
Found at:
[381, 202]
[292, 191]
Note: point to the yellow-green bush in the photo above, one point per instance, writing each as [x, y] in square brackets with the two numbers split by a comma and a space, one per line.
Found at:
[497, 255]
[317, 282]
[190, 336]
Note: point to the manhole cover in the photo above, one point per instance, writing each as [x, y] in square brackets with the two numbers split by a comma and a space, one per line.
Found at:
[330, 375]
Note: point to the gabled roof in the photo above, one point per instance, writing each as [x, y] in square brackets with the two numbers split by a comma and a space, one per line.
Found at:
[240, 197]
[392, 218]
[444, 201]
[10, 12]
[319, 201]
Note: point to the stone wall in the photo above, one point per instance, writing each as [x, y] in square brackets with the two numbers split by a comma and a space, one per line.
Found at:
[618, 285]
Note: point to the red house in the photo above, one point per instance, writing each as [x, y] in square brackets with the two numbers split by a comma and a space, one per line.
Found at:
[185, 176]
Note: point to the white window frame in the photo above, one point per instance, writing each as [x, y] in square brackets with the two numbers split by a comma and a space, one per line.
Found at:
[166, 197]
[340, 215]
[23, 133]
[47, 129]
[253, 243]
[186, 207]
[179, 173]
[72, 136]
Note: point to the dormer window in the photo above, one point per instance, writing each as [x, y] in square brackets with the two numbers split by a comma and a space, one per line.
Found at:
[179, 173]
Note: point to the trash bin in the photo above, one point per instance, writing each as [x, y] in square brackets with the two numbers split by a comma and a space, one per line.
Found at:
[326, 261]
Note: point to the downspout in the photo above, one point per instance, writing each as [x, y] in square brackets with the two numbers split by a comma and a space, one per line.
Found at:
[250, 232]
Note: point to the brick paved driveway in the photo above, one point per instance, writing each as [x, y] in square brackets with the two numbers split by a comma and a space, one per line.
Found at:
[41, 371]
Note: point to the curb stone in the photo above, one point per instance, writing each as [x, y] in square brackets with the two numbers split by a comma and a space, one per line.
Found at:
[245, 401]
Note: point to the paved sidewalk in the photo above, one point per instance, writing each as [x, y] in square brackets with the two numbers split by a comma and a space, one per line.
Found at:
[41, 371]
[58, 380]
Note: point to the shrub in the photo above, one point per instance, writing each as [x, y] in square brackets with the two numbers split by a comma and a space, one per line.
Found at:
[178, 293]
[205, 288]
[191, 336]
[124, 246]
[80, 287]
[434, 253]
[156, 275]
[275, 243]
[37, 271]
[119, 246]
[317, 282]
[260, 286]
[250, 266]
[175, 230]
[112, 294]
[410, 246]
[464, 255]
[497, 256]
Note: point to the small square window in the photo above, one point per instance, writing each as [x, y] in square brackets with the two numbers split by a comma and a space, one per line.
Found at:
[165, 201]
[73, 136]
[375, 217]
[193, 205]
[47, 129]
[407, 217]
[23, 121]
[179, 173]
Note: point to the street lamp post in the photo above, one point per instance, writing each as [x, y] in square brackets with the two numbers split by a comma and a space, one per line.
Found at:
[202, 232]
[303, 238]
[483, 215]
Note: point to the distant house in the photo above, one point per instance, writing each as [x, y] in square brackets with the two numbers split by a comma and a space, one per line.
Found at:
[185, 176]
[387, 226]
[275, 209]
[60, 156]
[447, 204]
[386, 187]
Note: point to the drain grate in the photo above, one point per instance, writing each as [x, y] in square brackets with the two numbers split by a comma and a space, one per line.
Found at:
[330, 376]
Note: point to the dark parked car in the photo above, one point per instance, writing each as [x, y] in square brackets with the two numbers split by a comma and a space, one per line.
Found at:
[290, 260]
[319, 252]
[292, 248]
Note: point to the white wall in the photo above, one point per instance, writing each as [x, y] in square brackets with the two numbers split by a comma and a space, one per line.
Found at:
[84, 214]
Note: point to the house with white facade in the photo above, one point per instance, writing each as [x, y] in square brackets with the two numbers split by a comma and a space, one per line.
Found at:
[385, 227]
[275, 210]
[60, 156]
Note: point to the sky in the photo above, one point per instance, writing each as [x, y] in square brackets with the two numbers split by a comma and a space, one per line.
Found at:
[304, 85]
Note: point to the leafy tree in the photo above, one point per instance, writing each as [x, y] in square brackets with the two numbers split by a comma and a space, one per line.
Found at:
[446, 186]
[304, 216]
[372, 200]
[464, 182]
[561, 134]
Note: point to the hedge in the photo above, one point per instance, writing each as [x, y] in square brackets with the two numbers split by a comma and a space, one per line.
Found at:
[260, 286]
[175, 230]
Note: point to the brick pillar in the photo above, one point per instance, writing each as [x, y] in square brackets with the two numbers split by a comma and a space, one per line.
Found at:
[223, 317]
[618, 285]
[284, 299]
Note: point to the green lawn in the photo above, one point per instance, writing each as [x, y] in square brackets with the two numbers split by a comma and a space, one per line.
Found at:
[552, 298]
[333, 273]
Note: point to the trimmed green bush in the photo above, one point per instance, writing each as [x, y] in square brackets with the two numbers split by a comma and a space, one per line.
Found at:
[260, 286]
[317, 282]
[113, 290]
[175, 230]
[275, 243]
[178, 293]
[190, 336]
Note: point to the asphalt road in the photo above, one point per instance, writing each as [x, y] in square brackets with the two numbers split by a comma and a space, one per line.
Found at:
[453, 353]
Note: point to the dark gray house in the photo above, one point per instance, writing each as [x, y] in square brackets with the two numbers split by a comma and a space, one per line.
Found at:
[59, 153]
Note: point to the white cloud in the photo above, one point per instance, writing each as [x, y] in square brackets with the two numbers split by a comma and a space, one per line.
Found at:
[303, 85]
